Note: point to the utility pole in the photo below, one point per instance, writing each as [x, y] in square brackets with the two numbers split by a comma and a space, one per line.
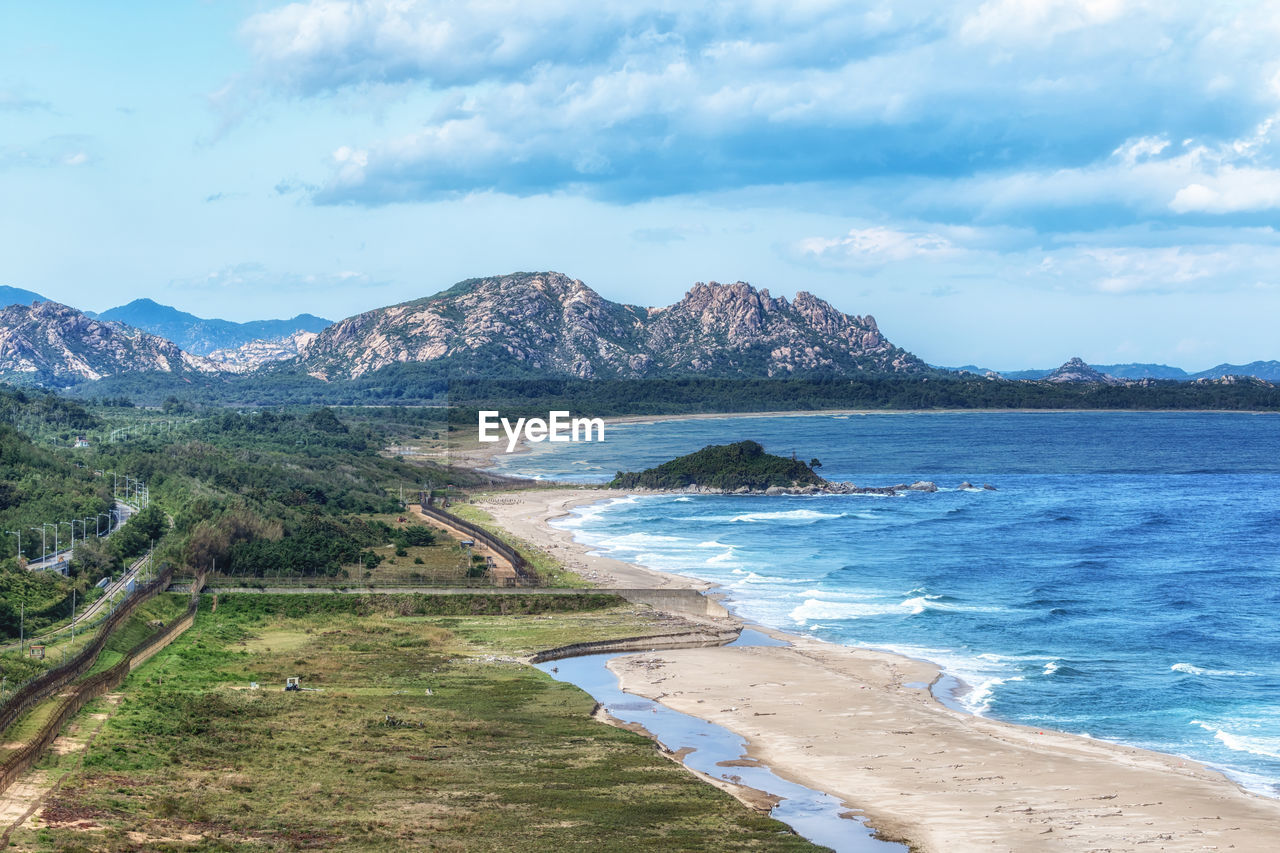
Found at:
[44, 546]
[73, 612]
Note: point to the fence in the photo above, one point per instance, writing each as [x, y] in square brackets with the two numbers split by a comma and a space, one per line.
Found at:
[21, 760]
[522, 568]
[44, 685]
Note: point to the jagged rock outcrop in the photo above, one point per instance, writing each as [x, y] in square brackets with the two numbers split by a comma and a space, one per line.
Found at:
[552, 325]
[254, 354]
[1075, 370]
[52, 344]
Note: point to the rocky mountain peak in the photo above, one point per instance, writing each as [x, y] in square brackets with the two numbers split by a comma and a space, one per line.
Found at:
[51, 343]
[1076, 370]
[558, 325]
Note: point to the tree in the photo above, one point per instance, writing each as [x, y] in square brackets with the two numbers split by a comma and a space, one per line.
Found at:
[93, 558]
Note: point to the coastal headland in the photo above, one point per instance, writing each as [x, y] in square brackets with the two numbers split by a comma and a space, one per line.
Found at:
[864, 726]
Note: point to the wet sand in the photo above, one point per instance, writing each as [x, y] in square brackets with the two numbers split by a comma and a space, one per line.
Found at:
[862, 725]
[525, 515]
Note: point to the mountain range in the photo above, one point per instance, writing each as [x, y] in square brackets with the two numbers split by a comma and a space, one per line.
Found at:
[1268, 370]
[18, 296]
[553, 325]
[545, 325]
[201, 336]
[47, 343]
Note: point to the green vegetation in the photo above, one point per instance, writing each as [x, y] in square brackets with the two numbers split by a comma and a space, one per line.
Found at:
[421, 734]
[145, 621]
[549, 569]
[522, 391]
[279, 494]
[743, 464]
[44, 415]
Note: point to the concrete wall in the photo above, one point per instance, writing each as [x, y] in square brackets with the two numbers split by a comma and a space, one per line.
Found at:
[686, 602]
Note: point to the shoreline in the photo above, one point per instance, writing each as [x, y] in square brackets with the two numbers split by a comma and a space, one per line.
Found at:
[937, 777]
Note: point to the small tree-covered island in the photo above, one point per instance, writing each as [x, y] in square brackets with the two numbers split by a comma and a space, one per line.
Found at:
[744, 468]
[741, 466]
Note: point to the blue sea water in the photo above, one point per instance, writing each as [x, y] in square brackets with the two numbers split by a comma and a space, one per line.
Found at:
[1123, 581]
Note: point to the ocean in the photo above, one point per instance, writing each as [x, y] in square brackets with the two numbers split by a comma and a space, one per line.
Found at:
[1122, 581]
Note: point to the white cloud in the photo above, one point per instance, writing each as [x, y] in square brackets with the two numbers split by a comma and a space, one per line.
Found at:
[952, 259]
[1041, 20]
[642, 99]
[877, 245]
[251, 277]
[1230, 190]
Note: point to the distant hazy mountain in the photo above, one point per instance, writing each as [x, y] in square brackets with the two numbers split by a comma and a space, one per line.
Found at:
[254, 354]
[1268, 370]
[18, 296]
[1010, 374]
[52, 344]
[1143, 371]
[552, 325]
[203, 336]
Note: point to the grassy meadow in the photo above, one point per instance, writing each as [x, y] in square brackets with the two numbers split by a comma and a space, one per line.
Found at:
[421, 731]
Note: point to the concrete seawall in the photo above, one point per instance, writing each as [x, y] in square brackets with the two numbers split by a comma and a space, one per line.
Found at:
[679, 640]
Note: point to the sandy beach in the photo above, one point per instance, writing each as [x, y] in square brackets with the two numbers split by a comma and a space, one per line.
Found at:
[862, 725]
[525, 515]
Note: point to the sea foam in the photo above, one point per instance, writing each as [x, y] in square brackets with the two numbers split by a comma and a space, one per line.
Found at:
[1192, 669]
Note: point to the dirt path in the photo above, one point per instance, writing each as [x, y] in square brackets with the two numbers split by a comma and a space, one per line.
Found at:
[500, 568]
[26, 796]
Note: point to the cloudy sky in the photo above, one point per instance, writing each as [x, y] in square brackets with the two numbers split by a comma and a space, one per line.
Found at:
[1007, 183]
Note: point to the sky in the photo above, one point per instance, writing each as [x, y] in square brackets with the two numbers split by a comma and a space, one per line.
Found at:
[1006, 183]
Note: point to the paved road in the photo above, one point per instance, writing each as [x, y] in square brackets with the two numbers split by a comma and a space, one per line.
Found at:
[57, 561]
[92, 611]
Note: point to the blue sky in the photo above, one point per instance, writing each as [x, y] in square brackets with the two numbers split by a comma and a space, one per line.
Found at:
[1007, 183]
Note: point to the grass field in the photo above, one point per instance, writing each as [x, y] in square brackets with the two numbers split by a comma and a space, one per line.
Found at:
[423, 733]
[142, 624]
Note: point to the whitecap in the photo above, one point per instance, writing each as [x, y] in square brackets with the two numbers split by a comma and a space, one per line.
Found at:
[816, 608]
[841, 595]
[1254, 745]
[721, 559]
[920, 603]
[979, 697]
[785, 515]
[639, 540]
[1192, 669]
